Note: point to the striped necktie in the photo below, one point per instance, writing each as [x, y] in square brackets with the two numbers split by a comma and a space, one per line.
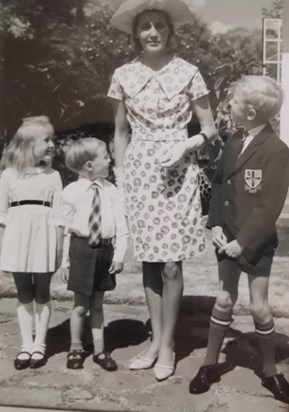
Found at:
[244, 137]
[94, 221]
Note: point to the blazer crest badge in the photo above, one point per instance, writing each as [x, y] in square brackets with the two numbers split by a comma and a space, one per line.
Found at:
[253, 179]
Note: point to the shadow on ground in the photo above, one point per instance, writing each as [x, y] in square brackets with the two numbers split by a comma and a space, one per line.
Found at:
[191, 334]
[118, 334]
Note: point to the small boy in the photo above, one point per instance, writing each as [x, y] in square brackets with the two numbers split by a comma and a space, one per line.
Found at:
[96, 238]
[249, 191]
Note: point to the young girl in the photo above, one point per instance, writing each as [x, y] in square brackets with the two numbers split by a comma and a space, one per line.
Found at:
[31, 230]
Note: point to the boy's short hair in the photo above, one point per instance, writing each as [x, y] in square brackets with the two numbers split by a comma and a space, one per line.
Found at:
[263, 93]
[81, 151]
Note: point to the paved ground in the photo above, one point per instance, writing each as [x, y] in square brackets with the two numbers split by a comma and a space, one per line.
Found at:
[126, 333]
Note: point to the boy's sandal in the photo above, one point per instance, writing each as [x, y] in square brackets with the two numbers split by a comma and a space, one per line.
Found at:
[22, 363]
[75, 359]
[37, 362]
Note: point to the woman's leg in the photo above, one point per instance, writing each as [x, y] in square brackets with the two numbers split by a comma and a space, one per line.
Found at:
[96, 321]
[172, 295]
[264, 324]
[81, 306]
[25, 293]
[153, 286]
[42, 311]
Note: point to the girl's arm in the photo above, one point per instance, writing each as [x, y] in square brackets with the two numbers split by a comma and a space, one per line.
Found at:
[58, 218]
[4, 195]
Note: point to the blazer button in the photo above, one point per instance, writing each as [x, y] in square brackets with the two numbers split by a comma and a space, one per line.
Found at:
[226, 203]
[229, 181]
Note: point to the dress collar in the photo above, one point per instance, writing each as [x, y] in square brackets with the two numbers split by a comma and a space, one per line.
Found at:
[172, 78]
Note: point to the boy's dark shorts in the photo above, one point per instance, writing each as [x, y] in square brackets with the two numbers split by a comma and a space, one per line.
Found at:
[261, 268]
[89, 267]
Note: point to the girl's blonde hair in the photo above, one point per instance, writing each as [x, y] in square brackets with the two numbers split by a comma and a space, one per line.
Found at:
[81, 151]
[19, 152]
[261, 92]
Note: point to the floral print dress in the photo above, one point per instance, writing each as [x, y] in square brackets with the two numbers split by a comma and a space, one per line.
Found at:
[163, 204]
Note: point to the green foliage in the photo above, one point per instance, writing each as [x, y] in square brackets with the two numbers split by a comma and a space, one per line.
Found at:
[58, 57]
[275, 11]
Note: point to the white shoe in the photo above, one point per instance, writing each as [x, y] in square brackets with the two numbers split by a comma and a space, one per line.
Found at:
[141, 362]
[163, 372]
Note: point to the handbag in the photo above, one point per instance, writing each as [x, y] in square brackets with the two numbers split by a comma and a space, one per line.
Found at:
[207, 165]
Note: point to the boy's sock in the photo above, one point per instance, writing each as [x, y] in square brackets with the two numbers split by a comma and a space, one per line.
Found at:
[25, 320]
[266, 339]
[42, 317]
[76, 346]
[219, 324]
[96, 323]
[98, 346]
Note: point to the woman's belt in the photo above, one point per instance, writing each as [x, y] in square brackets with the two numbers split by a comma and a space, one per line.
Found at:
[30, 202]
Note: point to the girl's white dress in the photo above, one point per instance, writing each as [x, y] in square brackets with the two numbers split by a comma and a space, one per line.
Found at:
[29, 241]
[163, 205]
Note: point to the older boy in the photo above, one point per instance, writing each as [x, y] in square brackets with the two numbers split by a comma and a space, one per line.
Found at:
[249, 190]
[98, 239]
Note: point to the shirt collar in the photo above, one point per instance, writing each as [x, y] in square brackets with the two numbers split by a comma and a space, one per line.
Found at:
[255, 130]
[86, 183]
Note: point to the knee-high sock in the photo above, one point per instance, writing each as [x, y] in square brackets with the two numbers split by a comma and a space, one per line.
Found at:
[42, 317]
[96, 322]
[219, 324]
[25, 320]
[266, 339]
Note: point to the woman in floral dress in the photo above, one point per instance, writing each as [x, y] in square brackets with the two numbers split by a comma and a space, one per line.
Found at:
[155, 96]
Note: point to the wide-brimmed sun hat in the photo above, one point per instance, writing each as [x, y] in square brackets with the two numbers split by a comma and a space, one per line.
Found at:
[178, 10]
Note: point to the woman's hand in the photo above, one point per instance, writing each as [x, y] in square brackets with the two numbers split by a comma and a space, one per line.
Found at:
[174, 155]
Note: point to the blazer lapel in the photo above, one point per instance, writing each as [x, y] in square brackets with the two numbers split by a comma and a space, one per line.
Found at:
[259, 139]
[236, 144]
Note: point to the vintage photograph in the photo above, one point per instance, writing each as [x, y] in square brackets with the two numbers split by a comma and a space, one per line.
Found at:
[144, 206]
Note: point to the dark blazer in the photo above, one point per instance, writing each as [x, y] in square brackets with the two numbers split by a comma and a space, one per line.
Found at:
[249, 192]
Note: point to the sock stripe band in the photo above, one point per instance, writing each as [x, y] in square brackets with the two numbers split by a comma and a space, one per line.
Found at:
[220, 322]
[265, 332]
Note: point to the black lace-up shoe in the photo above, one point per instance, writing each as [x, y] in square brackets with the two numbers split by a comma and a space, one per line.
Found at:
[202, 382]
[279, 386]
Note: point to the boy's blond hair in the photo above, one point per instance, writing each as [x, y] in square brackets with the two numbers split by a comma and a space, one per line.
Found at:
[19, 152]
[81, 151]
[263, 93]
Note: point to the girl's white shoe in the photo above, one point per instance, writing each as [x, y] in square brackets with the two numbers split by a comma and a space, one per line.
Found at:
[141, 362]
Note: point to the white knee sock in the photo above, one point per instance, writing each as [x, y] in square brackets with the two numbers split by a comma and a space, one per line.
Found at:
[96, 322]
[25, 319]
[42, 317]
